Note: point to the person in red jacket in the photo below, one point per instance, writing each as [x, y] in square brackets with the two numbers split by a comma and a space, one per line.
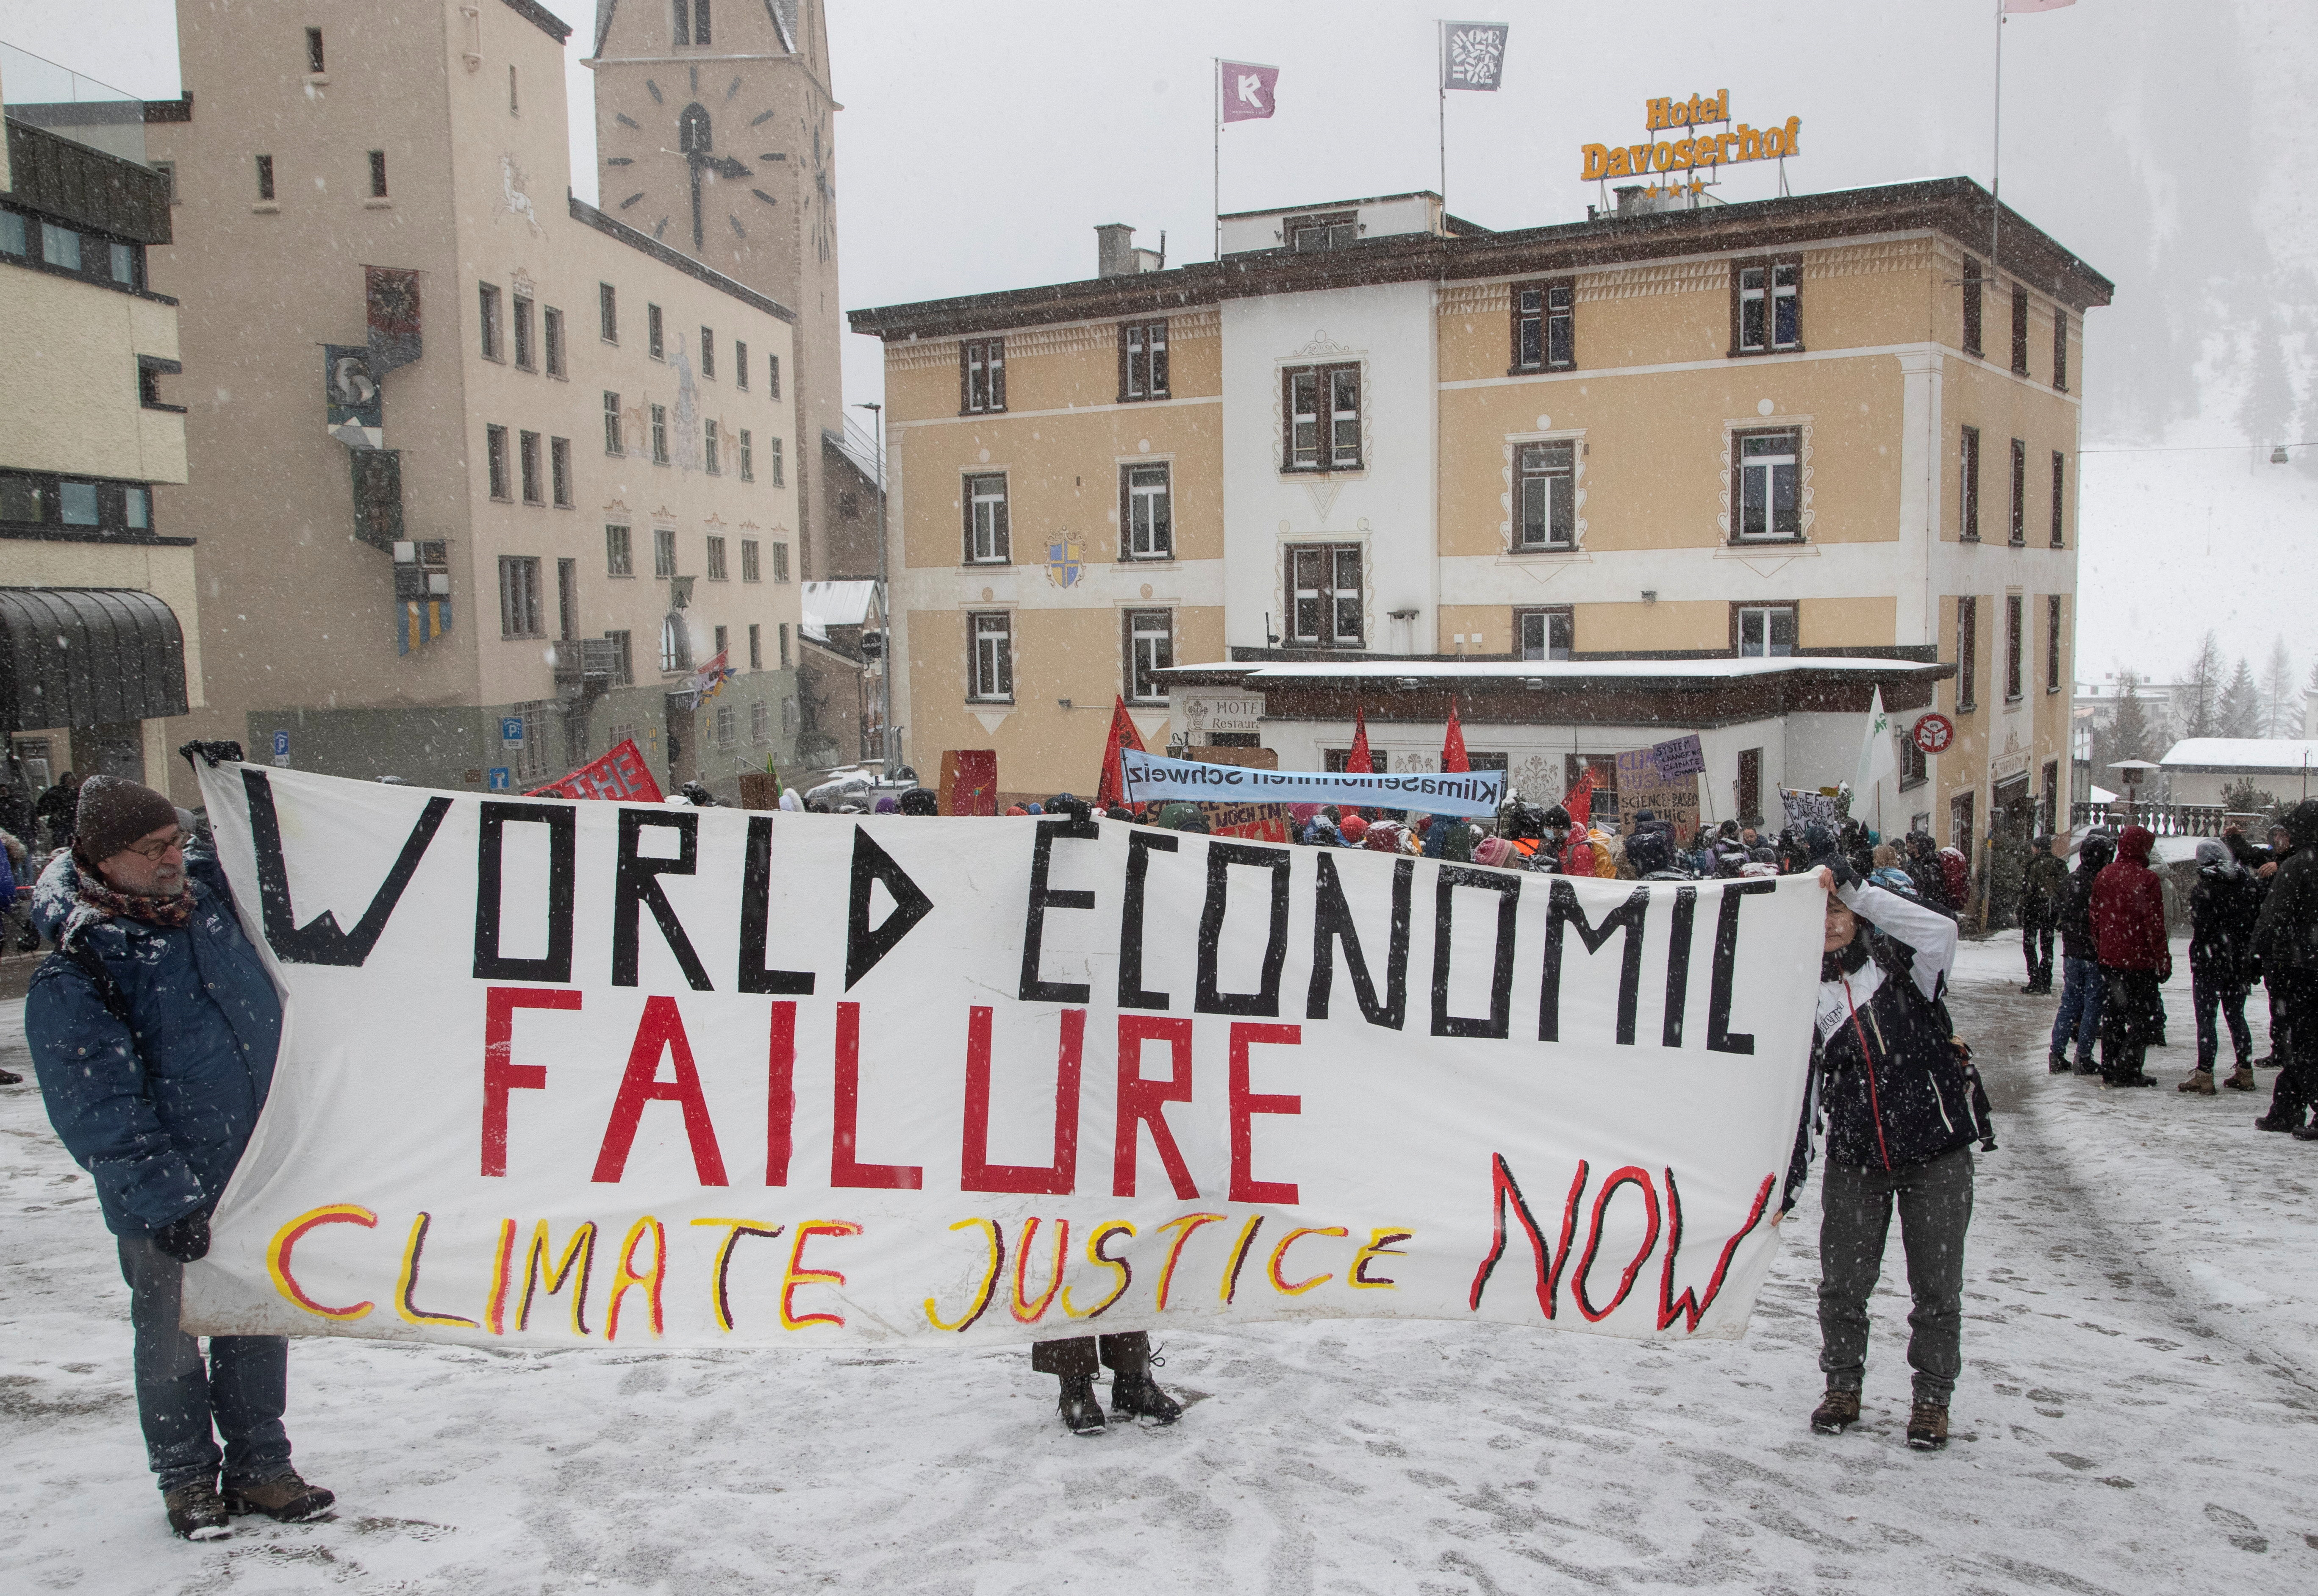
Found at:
[2128, 919]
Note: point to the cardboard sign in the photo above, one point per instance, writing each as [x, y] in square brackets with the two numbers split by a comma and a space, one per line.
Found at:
[1643, 784]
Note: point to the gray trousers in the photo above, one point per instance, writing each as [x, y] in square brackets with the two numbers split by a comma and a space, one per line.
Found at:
[1935, 1204]
[239, 1391]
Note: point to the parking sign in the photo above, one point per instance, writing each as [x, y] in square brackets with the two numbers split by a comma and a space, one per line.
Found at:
[510, 728]
[282, 748]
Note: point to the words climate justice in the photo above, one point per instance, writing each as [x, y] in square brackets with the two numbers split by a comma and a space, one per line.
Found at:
[1695, 149]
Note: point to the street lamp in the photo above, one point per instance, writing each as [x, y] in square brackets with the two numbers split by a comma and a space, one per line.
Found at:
[884, 610]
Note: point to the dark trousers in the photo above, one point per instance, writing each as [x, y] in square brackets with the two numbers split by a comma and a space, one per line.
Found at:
[2214, 989]
[1935, 1204]
[2294, 1042]
[2036, 945]
[2080, 1008]
[2131, 1019]
[1128, 1355]
[240, 1390]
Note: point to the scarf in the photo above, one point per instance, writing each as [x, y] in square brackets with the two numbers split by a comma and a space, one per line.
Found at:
[173, 913]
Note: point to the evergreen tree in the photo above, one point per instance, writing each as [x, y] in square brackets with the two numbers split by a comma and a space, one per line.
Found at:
[2125, 734]
[2197, 702]
[2281, 703]
[2241, 710]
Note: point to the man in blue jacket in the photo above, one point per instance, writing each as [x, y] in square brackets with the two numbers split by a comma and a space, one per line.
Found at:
[153, 1028]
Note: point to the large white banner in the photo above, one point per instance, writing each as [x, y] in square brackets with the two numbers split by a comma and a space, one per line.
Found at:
[557, 1072]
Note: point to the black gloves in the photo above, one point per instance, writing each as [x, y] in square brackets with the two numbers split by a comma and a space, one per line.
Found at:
[211, 753]
[1836, 865]
[186, 1240]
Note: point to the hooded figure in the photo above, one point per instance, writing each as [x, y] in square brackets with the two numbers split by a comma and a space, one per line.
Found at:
[2285, 939]
[2225, 901]
[2128, 919]
[1354, 830]
[2081, 988]
[2042, 884]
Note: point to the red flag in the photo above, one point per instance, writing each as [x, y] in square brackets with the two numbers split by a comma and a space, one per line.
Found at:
[1356, 763]
[1453, 746]
[1579, 801]
[1112, 788]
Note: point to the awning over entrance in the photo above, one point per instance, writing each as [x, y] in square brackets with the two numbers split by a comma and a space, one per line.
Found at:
[85, 657]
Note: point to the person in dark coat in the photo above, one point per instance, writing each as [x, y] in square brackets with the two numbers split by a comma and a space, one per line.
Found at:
[1923, 866]
[2042, 884]
[2285, 940]
[153, 1027]
[2081, 976]
[2128, 917]
[2224, 904]
[55, 807]
[1902, 1106]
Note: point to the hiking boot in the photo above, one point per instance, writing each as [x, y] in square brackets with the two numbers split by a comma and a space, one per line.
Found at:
[9, 1078]
[196, 1513]
[1081, 1412]
[2306, 1133]
[2086, 1066]
[1837, 1411]
[2275, 1120]
[1927, 1426]
[2058, 1063]
[2242, 1081]
[285, 1497]
[1136, 1396]
[2200, 1081]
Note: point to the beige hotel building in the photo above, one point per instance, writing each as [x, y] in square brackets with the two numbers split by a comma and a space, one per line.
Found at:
[1725, 471]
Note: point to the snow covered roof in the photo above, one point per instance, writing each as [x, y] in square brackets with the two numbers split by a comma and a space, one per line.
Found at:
[836, 604]
[1254, 671]
[2241, 753]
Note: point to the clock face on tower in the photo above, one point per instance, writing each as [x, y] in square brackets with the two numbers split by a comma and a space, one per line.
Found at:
[702, 205]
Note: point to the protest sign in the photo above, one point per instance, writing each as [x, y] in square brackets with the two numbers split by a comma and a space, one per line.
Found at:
[1264, 822]
[619, 774]
[1152, 779]
[565, 1074]
[1808, 809]
[1644, 784]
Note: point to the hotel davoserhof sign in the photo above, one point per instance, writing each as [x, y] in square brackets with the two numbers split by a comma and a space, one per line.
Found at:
[1678, 144]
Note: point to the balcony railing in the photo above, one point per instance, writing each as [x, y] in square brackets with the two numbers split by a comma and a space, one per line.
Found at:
[2168, 820]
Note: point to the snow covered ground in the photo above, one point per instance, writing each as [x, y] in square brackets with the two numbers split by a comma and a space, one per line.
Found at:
[2139, 1413]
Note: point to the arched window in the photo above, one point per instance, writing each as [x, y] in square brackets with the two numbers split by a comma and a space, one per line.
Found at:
[675, 644]
[692, 131]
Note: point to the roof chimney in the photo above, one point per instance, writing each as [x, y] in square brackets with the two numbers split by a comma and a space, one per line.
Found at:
[1114, 250]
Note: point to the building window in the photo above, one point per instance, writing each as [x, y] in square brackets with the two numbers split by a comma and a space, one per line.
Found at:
[60, 247]
[1766, 306]
[488, 297]
[567, 600]
[378, 174]
[1150, 649]
[655, 338]
[624, 659]
[608, 313]
[663, 552]
[739, 365]
[1971, 285]
[1324, 595]
[722, 634]
[1960, 823]
[2014, 648]
[2061, 348]
[1967, 487]
[1751, 787]
[1915, 766]
[2020, 330]
[1967, 688]
[559, 470]
[1336, 230]
[519, 606]
[675, 645]
[990, 656]
[618, 559]
[527, 452]
[1143, 360]
[707, 352]
[982, 375]
[756, 646]
[1147, 509]
[716, 572]
[986, 542]
[550, 326]
[2060, 484]
[788, 709]
[28, 498]
[614, 442]
[527, 760]
[748, 457]
[692, 25]
[1322, 423]
[1767, 486]
[660, 434]
[749, 568]
[772, 376]
[1546, 635]
[2053, 650]
[265, 178]
[314, 50]
[1336, 759]
[1548, 495]
[780, 562]
[774, 454]
[709, 439]
[515, 99]
[760, 719]
[523, 352]
[495, 459]
[2018, 523]
[1765, 631]
[1545, 326]
[781, 640]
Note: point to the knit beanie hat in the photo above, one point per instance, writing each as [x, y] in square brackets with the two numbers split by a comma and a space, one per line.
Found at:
[113, 813]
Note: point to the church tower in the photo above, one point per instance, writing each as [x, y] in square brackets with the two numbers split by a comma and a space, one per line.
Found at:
[715, 134]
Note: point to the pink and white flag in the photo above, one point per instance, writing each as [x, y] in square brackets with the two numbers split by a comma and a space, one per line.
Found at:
[1247, 90]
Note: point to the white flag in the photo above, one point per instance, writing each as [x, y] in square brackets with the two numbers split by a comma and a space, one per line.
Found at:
[1878, 759]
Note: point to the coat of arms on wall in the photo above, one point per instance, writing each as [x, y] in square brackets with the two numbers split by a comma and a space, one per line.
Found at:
[1065, 561]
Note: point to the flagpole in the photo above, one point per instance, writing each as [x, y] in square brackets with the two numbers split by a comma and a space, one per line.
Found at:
[1219, 159]
[1996, 161]
[1440, 66]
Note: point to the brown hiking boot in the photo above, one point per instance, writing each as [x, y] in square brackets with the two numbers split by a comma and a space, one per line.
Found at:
[2242, 1081]
[2200, 1081]
[285, 1497]
[1928, 1427]
[1837, 1411]
[196, 1513]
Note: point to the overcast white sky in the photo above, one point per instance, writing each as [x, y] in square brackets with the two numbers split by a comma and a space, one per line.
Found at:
[981, 143]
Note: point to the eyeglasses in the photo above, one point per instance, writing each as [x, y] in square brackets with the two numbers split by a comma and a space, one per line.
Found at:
[155, 851]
